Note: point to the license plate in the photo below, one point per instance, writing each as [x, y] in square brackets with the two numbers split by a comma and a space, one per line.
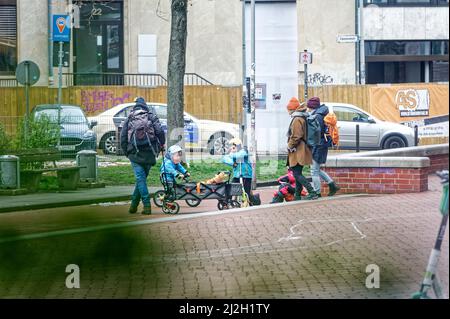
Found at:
[67, 147]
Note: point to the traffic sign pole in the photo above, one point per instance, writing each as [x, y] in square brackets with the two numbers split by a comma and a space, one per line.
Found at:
[60, 66]
[305, 65]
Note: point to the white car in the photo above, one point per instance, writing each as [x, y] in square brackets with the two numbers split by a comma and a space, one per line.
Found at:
[212, 136]
[374, 133]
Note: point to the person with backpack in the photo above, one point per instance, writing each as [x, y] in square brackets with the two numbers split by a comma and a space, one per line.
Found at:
[320, 151]
[142, 138]
[299, 151]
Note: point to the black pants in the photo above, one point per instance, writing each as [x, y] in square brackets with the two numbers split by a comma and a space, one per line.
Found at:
[300, 180]
[247, 185]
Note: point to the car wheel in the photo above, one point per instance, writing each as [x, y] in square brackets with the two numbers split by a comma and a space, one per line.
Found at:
[218, 143]
[394, 142]
[109, 143]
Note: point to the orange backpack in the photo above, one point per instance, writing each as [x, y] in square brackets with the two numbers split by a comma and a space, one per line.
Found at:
[332, 131]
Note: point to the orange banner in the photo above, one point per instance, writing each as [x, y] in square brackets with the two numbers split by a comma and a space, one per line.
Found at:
[401, 103]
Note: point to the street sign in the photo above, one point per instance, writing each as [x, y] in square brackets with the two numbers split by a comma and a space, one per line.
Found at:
[61, 28]
[306, 58]
[347, 38]
[27, 73]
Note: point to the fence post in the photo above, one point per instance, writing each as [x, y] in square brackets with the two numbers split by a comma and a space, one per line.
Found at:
[416, 135]
[357, 138]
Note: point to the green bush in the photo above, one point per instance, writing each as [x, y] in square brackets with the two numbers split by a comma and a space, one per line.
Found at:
[5, 140]
[37, 133]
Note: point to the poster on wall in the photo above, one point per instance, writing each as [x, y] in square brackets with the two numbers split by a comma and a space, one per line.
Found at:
[401, 103]
[431, 127]
[260, 96]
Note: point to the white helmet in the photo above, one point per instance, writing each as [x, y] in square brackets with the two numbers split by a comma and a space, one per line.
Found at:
[174, 149]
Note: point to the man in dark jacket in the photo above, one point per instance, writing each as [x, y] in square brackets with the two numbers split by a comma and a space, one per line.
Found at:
[142, 158]
[320, 152]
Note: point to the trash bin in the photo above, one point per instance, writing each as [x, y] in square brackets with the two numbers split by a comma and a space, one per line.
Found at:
[88, 161]
[9, 172]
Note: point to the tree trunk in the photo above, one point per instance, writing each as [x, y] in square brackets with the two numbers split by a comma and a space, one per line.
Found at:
[175, 73]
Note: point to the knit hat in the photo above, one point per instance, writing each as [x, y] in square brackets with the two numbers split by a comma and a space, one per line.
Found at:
[314, 102]
[293, 104]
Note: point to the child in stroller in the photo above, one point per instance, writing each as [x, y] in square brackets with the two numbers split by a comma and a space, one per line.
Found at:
[286, 190]
[171, 166]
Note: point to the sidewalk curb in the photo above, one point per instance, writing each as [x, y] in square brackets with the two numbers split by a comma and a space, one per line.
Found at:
[90, 201]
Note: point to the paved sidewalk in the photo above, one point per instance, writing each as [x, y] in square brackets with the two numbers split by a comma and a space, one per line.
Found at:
[317, 249]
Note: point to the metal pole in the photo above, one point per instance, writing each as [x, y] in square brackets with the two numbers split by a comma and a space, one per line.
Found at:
[357, 138]
[358, 33]
[243, 128]
[253, 149]
[27, 99]
[416, 135]
[50, 43]
[60, 66]
[306, 80]
[362, 52]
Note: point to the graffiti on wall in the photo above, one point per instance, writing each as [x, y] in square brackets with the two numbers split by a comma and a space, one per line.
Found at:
[319, 79]
[96, 101]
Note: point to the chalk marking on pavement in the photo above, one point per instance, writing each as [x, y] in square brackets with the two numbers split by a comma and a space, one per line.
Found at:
[176, 218]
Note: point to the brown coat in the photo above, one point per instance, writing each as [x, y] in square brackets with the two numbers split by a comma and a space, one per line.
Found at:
[303, 155]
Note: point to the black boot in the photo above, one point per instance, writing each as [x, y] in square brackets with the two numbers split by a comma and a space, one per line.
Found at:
[311, 193]
[147, 210]
[279, 198]
[333, 188]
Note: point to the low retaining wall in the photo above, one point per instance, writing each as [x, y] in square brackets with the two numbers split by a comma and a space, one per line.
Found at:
[403, 170]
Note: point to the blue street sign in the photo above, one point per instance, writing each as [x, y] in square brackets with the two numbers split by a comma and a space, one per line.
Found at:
[61, 28]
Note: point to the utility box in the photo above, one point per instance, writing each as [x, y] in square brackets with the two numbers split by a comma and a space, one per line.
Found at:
[9, 172]
[88, 161]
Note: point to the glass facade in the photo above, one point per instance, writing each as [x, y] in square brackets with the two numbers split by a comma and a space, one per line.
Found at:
[8, 37]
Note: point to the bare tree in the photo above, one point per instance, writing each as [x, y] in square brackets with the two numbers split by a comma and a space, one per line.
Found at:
[175, 73]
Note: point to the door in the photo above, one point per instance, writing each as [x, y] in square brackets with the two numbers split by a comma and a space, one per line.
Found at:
[348, 118]
[98, 45]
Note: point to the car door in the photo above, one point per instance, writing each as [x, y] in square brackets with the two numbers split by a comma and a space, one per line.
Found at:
[348, 119]
[190, 126]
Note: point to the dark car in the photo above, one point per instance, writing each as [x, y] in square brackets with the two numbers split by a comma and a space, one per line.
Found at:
[76, 130]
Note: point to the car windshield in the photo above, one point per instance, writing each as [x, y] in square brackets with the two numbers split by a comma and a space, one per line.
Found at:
[68, 115]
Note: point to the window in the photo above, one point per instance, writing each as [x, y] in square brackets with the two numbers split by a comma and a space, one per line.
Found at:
[8, 36]
[350, 115]
[407, 3]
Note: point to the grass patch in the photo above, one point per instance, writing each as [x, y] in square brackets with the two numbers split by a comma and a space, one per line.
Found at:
[200, 171]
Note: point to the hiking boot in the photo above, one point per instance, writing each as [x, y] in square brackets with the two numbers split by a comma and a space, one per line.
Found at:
[333, 188]
[133, 209]
[147, 210]
[312, 196]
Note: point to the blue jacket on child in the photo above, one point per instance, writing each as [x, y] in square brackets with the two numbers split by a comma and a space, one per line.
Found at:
[240, 162]
[171, 169]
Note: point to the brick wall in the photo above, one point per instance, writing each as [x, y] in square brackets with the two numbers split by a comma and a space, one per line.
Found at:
[438, 162]
[379, 180]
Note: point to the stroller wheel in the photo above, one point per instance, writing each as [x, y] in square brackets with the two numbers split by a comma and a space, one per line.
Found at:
[222, 205]
[193, 202]
[170, 208]
[158, 198]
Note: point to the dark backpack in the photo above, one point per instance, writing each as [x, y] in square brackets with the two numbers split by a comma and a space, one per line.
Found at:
[313, 129]
[141, 133]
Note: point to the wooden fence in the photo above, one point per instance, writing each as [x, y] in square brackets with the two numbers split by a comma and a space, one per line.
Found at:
[205, 102]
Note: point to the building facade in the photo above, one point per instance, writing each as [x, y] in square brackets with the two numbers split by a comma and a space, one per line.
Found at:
[403, 40]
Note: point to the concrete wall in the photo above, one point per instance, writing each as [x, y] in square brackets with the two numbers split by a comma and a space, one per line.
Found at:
[421, 23]
[319, 22]
[214, 42]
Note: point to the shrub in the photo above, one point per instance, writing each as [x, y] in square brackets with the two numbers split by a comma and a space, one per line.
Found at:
[5, 140]
[37, 133]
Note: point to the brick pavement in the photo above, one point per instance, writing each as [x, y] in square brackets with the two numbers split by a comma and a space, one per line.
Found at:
[314, 249]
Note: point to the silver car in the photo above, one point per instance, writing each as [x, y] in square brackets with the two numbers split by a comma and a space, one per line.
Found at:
[374, 133]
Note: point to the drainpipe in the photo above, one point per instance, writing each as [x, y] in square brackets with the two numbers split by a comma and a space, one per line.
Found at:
[358, 33]
[50, 43]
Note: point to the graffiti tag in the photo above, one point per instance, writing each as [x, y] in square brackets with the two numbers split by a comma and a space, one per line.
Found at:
[94, 101]
[319, 79]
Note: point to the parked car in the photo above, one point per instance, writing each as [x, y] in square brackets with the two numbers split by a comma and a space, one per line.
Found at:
[374, 133]
[205, 135]
[76, 131]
